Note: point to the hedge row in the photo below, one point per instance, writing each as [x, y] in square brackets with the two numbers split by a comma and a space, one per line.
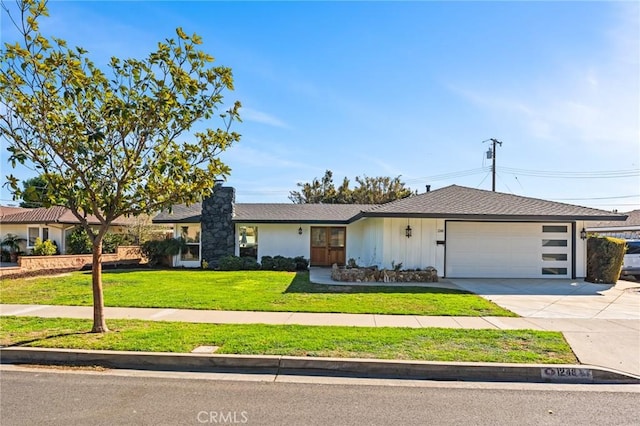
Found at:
[267, 263]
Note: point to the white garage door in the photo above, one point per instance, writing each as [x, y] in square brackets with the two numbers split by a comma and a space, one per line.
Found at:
[507, 250]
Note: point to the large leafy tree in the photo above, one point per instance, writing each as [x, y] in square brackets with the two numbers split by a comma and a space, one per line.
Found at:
[112, 142]
[369, 190]
[33, 192]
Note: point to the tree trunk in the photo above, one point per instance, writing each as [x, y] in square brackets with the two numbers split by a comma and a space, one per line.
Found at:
[99, 324]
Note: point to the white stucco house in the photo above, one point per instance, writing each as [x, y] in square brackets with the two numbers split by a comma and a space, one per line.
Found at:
[53, 223]
[462, 232]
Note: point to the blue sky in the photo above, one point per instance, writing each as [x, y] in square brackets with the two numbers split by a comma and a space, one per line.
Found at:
[406, 88]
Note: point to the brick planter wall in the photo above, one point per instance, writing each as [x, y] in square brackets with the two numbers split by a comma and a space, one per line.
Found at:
[33, 265]
[429, 275]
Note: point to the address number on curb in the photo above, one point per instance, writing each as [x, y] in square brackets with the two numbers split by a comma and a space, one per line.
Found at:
[563, 373]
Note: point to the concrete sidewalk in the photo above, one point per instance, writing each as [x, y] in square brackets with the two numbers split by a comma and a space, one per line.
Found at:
[609, 343]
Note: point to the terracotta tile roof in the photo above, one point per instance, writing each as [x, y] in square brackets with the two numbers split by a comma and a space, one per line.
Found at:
[56, 214]
[9, 210]
[468, 203]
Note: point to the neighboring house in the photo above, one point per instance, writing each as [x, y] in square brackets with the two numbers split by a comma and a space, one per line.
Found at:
[462, 232]
[628, 229]
[53, 223]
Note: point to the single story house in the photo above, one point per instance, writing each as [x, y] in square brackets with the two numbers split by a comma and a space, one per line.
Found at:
[53, 223]
[628, 229]
[462, 232]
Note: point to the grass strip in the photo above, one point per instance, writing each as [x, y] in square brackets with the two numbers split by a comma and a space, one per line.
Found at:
[243, 291]
[431, 344]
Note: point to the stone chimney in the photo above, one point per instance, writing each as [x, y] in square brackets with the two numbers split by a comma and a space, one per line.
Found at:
[218, 232]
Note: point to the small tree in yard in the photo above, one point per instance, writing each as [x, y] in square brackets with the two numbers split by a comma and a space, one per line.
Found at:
[107, 142]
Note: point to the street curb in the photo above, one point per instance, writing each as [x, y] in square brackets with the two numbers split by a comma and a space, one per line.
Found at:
[350, 367]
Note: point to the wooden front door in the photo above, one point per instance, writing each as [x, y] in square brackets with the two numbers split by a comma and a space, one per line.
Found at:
[328, 245]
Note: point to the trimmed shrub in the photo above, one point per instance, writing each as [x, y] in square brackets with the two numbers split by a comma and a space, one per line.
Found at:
[235, 263]
[281, 263]
[44, 248]
[604, 259]
[302, 264]
[160, 251]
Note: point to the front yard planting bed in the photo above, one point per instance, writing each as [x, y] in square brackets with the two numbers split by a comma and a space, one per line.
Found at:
[243, 291]
[428, 344]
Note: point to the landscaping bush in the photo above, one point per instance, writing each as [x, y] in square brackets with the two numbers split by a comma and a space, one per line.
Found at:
[604, 259]
[44, 248]
[281, 263]
[111, 242]
[302, 264]
[160, 251]
[80, 243]
[235, 263]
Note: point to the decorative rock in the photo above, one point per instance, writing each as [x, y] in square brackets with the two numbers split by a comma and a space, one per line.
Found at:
[372, 274]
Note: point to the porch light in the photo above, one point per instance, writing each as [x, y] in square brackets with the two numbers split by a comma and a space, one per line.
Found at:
[407, 231]
[583, 234]
[300, 231]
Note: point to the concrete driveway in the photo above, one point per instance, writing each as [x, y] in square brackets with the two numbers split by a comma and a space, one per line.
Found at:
[539, 298]
[600, 322]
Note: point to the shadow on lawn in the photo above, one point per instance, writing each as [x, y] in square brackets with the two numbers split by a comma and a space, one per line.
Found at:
[39, 339]
[301, 284]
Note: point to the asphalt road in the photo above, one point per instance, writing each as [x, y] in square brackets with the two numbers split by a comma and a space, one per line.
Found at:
[41, 396]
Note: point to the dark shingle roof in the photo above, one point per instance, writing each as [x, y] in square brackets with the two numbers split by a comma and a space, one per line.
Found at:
[468, 203]
[453, 202]
[302, 213]
[54, 214]
[633, 220]
[180, 213]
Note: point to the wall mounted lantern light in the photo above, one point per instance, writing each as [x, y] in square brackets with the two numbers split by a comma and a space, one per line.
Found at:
[583, 234]
[300, 231]
[407, 231]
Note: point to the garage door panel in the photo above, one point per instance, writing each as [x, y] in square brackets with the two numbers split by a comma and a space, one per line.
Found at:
[502, 250]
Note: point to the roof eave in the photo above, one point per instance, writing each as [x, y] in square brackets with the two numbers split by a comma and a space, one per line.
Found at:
[292, 221]
[532, 218]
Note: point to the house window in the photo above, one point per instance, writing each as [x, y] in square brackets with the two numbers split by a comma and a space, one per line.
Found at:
[45, 234]
[554, 228]
[191, 237]
[248, 241]
[33, 234]
[554, 243]
[554, 256]
[554, 271]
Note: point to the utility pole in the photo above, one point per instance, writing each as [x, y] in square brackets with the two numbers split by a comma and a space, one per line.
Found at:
[491, 154]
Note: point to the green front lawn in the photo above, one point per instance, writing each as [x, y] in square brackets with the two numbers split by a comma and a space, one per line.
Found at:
[430, 344]
[243, 291]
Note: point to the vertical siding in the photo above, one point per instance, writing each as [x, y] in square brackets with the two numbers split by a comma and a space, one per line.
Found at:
[417, 251]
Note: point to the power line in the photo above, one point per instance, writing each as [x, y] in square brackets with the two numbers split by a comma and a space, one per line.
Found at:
[572, 175]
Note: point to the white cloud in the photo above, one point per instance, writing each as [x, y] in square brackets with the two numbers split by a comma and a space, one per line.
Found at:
[249, 114]
[593, 102]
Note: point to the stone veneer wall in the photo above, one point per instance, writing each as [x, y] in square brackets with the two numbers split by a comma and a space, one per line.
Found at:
[362, 275]
[217, 237]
